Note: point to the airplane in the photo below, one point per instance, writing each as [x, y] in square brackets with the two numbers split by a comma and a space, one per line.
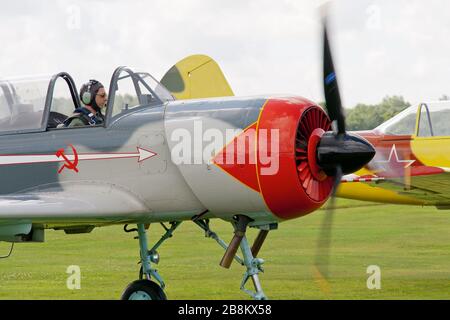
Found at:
[251, 161]
[412, 162]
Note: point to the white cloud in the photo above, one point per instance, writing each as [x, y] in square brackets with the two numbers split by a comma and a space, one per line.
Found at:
[262, 46]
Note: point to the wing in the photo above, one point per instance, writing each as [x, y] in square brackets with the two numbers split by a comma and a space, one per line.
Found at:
[422, 185]
[81, 205]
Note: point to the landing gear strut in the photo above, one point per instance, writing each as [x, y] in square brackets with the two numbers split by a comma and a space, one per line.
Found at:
[145, 288]
[251, 262]
[204, 224]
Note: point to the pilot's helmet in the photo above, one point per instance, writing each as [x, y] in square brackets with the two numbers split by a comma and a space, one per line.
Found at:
[88, 92]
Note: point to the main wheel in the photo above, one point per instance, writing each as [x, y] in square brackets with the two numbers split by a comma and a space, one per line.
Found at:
[143, 290]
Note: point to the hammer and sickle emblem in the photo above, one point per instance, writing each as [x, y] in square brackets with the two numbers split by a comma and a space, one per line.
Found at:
[71, 165]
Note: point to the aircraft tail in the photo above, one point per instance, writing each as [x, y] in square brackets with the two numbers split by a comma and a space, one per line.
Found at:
[196, 76]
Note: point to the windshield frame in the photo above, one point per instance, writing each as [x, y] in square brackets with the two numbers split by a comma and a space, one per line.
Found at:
[137, 79]
[49, 98]
[395, 119]
[430, 107]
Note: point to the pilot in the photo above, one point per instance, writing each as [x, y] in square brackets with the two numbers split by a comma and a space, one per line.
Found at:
[94, 98]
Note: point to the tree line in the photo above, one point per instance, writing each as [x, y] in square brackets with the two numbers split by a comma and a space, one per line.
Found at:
[368, 116]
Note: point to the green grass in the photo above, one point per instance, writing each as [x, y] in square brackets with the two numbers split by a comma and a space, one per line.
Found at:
[411, 245]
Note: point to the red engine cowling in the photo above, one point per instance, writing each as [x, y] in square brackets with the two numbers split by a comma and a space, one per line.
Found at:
[299, 186]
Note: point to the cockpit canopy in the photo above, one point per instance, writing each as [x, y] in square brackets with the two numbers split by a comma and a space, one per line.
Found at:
[22, 103]
[429, 119]
[38, 103]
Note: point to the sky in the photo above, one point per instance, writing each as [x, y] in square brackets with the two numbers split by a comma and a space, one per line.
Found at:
[380, 47]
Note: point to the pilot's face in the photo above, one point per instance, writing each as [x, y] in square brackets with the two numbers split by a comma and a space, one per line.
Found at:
[101, 98]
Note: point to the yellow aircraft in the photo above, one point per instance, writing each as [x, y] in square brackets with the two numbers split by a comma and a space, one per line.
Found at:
[412, 162]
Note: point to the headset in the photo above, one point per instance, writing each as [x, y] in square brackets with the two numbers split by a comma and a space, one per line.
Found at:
[87, 95]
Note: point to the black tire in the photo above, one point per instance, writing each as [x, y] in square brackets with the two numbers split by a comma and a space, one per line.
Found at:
[143, 290]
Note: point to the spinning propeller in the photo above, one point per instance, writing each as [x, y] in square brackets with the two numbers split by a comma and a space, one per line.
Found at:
[338, 153]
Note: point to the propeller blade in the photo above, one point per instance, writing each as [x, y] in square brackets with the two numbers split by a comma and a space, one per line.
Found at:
[331, 89]
[337, 153]
[322, 259]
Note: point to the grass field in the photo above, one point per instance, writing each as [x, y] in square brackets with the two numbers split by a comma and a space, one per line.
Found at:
[411, 245]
